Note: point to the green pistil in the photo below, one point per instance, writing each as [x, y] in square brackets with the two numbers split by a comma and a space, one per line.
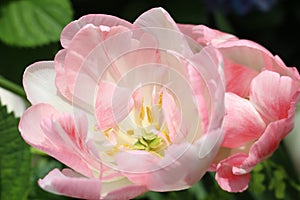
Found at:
[149, 142]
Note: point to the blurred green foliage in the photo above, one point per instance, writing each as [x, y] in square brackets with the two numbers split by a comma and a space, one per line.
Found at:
[29, 32]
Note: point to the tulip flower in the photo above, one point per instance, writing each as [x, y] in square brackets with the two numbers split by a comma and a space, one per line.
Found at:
[260, 102]
[129, 108]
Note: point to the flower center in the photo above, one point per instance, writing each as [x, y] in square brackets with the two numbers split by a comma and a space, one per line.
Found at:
[144, 129]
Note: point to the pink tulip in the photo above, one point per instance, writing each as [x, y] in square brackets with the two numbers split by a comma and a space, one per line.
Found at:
[260, 101]
[128, 107]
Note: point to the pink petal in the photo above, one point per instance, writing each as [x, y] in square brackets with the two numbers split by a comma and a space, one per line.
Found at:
[113, 105]
[246, 53]
[254, 56]
[60, 78]
[181, 167]
[188, 30]
[77, 54]
[96, 19]
[242, 122]
[225, 177]
[160, 24]
[238, 78]
[208, 36]
[267, 143]
[271, 138]
[46, 137]
[272, 94]
[128, 192]
[172, 116]
[73, 186]
[208, 85]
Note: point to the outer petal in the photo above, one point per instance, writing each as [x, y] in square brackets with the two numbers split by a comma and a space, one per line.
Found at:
[242, 122]
[73, 186]
[48, 138]
[266, 145]
[254, 56]
[96, 19]
[272, 95]
[205, 35]
[127, 192]
[225, 177]
[246, 53]
[238, 78]
[270, 139]
[76, 55]
[182, 166]
[39, 85]
[160, 24]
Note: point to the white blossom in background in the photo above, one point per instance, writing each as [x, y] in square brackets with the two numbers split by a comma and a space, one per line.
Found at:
[13, 102]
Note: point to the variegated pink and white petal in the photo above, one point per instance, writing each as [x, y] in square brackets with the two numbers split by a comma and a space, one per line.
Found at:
[103, 21]
[57, 136]
[273, 95]
[71, 184]
[242, 123]
[225, 177]
[209, 36]
[160, 24]
[238, 78]
[267, 144]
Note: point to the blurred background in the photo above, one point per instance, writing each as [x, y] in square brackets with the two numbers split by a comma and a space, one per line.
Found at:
[30, 30]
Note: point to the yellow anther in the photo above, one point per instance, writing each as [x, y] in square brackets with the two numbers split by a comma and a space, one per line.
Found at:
[105, 132]
[156, 126]
[142, 113]
[166, 136]
[160, 101]
[113, 151]
[130, 132]
[149, 114]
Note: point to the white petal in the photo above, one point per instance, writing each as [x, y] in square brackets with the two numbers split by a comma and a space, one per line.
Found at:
[39, 85]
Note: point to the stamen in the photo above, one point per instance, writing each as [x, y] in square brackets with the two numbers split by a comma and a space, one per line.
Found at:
[130, 132]
[142, 113]
[149, 114]
[105, 132]
[160, 101]
[166, 136]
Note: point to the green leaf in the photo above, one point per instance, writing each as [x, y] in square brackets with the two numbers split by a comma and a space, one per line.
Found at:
[29, 23]
[280, 190]
[257, 184]
[15, 159]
